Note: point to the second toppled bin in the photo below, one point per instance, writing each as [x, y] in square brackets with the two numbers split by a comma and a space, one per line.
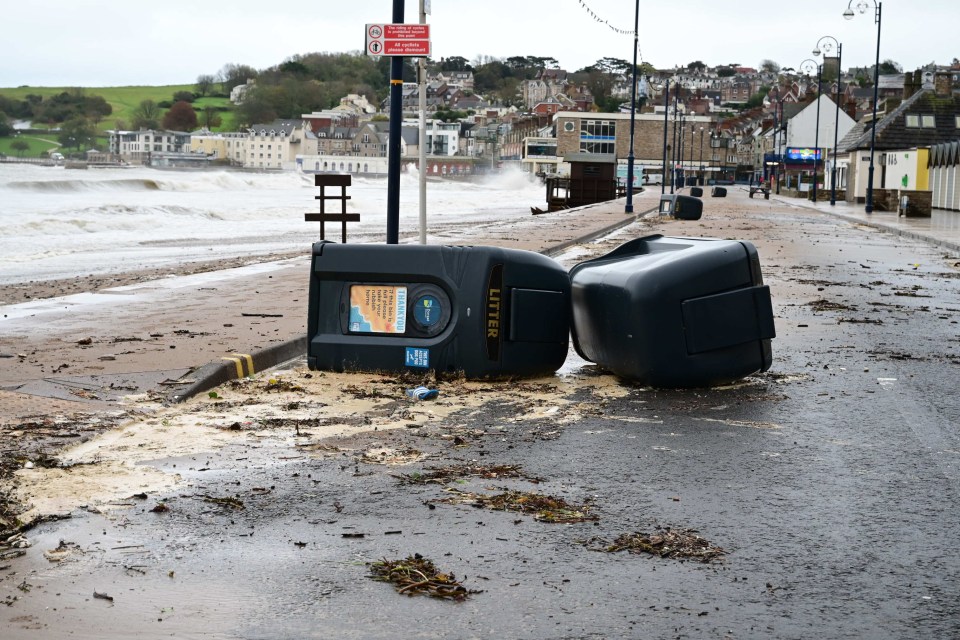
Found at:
[674, 312]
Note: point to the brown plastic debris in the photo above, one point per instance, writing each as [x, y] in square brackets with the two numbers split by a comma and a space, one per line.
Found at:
[543, 508]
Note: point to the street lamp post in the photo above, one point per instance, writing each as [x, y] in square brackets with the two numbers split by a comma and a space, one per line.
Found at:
[666, 111]
[862, 7]
[816, 135]
[633, 110]
[777, 117]
[836, 119]
[701, 156]
[673, 149]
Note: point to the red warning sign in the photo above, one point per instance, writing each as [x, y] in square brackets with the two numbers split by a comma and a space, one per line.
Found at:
[398, 40]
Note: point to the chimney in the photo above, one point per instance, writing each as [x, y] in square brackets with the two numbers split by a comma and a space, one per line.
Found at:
[943, 84]
[908, 86]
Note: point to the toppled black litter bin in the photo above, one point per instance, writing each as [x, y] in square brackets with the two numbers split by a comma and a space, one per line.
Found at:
[674, 312]
[483, 311]
[681, 207]
[719, 192]
[696, 192]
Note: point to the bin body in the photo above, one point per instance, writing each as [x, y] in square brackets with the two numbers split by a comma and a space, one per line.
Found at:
[696, 192]
[719, 192]
[674, 312]
[482, 311]
[681, 207]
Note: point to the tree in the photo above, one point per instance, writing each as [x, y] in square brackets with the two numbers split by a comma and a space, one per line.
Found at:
[210, 117]
[455, 63]
[235, 74]
[146, 115]
[726, 72]
[769, 66]
[5, 127]
[890, 67]
[205, 84]
[77, 133]
[180, 117]
[186, 96]
[20, 146]
[696, 65]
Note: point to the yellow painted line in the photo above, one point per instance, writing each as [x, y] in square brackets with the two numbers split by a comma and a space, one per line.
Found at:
[249, 360]
[237, 363]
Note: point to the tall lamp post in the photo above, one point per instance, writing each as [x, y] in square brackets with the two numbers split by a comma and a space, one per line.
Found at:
[862, 7]
[816, 135]
[673, 149]
[666, 111]
[701, 156]
[777, 123]
[824, 47]
[633, 109]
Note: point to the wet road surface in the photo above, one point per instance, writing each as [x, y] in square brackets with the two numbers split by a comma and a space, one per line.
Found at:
[830, 482]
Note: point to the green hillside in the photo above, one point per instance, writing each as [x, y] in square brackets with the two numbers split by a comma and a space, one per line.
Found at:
[123, 101]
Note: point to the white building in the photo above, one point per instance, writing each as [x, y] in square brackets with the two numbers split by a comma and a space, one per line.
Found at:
[275, 145]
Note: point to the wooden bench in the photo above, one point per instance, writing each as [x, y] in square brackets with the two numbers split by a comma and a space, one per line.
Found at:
[332, 180]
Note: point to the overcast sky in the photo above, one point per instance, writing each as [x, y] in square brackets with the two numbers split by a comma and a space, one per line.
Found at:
[92, 43]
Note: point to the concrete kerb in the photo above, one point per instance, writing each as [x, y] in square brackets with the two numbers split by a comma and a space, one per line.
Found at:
[240, 365]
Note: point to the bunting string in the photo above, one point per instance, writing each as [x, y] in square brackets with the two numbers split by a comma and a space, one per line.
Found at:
[599, 20]
[596, 18]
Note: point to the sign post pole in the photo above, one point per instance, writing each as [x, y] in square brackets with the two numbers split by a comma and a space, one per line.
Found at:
[393, 142]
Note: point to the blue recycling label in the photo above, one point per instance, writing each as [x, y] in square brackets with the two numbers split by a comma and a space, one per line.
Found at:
[418, 357]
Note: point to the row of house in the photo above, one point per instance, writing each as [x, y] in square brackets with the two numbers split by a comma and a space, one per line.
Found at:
[804, 128]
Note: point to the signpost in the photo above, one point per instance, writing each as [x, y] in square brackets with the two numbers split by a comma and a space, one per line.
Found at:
[397, 40]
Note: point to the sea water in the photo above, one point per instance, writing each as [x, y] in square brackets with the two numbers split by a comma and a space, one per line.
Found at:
[61, 223]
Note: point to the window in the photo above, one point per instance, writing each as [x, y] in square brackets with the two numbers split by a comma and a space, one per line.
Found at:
[928, 121]
[956, 121]
[598, 136]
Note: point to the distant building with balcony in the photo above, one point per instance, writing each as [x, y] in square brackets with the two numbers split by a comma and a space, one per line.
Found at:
[140, 147]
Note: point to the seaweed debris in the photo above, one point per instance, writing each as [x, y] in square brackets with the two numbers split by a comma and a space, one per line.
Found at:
[543, 508]
[417, 575]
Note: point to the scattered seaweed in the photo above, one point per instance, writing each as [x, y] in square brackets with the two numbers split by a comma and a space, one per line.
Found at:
[543, 508]
[417, 575]
[280, 385]
[445, 475]
[666, 543]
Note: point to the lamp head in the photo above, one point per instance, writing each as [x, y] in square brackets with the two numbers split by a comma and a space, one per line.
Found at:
[848, 14]
[816, 51]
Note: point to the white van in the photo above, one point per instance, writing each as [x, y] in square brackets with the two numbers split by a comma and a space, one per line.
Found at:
[653, 178]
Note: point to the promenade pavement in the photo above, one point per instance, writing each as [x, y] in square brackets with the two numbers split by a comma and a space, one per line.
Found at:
[176, 337]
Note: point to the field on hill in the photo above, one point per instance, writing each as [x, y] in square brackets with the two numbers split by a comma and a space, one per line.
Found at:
[125, 100]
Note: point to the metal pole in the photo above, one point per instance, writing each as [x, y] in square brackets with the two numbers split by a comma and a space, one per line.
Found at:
[779, 139]
[836, 127]
[673, 145]
[422, 72]
[816, 135]
[666, 111]
[873, 125]
[393, 142]
[701, 157]
[633, 109]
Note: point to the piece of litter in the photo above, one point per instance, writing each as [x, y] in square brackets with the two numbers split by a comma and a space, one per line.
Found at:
[423, 393]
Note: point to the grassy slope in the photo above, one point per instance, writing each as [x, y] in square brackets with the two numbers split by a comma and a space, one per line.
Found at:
[124, 101]
[37, 145]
